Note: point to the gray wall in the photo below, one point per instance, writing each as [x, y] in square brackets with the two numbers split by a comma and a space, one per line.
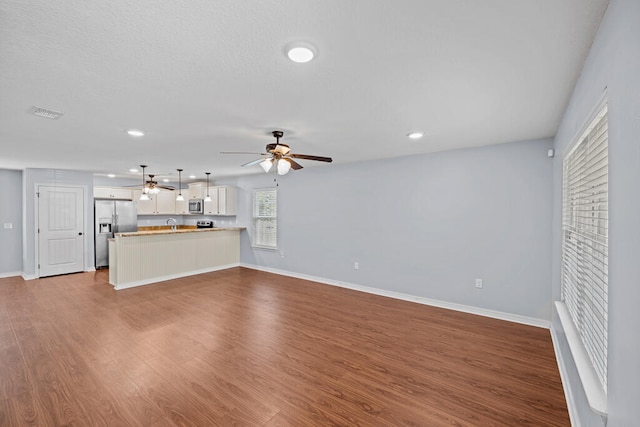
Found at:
[33, 177]
[11, 213]
[613, 63]
[425, 225]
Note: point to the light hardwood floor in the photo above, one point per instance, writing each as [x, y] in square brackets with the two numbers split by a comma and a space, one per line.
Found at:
[242, 347]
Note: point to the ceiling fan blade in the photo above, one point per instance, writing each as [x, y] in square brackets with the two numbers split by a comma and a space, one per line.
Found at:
[294, 165]
[308, 157]
[166, 187]
[253, 162]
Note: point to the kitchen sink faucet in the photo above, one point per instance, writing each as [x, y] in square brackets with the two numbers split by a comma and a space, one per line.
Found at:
[173, 223]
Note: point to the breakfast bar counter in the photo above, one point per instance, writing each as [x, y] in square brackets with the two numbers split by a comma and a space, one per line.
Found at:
[150, 256]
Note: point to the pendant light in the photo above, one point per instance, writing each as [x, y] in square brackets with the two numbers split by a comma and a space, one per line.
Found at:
[179, 198]
[144, 195]
[208, 198]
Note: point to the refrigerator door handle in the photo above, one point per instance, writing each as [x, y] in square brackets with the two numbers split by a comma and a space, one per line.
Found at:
[115, 223]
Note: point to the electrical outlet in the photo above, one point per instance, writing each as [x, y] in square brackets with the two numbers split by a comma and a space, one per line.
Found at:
[478, 283]
[281, 254]
[356, 265]
[8, 225]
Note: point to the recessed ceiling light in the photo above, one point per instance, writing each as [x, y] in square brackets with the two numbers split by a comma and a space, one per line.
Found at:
[135, 132]
[110, 175]
[165, 180]
[415, 135]
[133, 170]
[300, 52]
[192, 176]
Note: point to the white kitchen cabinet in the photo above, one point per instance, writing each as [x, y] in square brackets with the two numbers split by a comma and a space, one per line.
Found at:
[197, 190]
[211, 208]
[145, 207]
[227, 200]
[224, 199]
[112, 193]
[162, 203]
[166, 202]
[182, 207]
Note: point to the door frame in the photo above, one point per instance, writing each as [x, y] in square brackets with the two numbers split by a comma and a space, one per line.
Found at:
[87, 250]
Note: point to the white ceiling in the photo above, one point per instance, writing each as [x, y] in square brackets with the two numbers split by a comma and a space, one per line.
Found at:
[200, 77]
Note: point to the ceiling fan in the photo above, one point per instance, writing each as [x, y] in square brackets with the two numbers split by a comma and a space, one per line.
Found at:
[150, 186]
[280, 155]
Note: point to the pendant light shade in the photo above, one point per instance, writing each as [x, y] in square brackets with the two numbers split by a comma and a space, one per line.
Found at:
[208, 198]
[179, 198]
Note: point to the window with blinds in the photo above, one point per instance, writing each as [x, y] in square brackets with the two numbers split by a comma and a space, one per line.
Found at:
[585, 250]
[265, 221]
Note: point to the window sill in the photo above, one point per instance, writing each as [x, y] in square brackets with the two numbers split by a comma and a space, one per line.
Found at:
[596, 396]
[264, 248]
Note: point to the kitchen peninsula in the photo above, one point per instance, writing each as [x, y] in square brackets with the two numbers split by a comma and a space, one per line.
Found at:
[144, 257]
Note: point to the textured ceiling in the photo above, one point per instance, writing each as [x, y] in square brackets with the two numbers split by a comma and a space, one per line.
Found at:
[200, 77]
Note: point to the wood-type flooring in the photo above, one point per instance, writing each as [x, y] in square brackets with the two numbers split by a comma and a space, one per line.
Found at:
[241, 347]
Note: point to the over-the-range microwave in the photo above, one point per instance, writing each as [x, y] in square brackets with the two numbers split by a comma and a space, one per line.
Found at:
[196, 206]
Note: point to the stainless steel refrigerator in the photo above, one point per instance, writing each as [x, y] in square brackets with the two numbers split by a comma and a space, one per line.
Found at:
[112, 216]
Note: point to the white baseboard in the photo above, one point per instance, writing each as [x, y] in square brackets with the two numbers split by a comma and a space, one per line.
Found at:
[128, 285]
[34, 276]
[10, 274]
[564, 377]
[516, 318]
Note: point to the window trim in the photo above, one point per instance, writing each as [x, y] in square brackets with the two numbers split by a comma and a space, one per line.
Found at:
[255, 218]
[595, 389]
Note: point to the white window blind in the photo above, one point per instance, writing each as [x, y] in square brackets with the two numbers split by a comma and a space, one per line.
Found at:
[265, 220]
[585, 253]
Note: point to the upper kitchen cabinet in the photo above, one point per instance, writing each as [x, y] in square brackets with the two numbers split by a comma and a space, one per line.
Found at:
[182, 207]
[162, 203]
[224, 199]
[227, 200]
[211, 207]
[112, 193]
[197, 190]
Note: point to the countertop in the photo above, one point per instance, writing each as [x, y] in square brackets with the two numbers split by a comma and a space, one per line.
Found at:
[179, 231]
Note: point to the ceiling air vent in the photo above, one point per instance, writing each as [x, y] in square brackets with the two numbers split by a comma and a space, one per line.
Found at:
[46, 113]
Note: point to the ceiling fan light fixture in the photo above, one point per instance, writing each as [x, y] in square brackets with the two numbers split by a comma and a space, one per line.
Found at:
[300, 52]
[144, 196]
[283, 166]
[266, 165]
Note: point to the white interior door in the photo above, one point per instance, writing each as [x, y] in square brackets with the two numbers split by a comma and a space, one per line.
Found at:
[60, 230]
